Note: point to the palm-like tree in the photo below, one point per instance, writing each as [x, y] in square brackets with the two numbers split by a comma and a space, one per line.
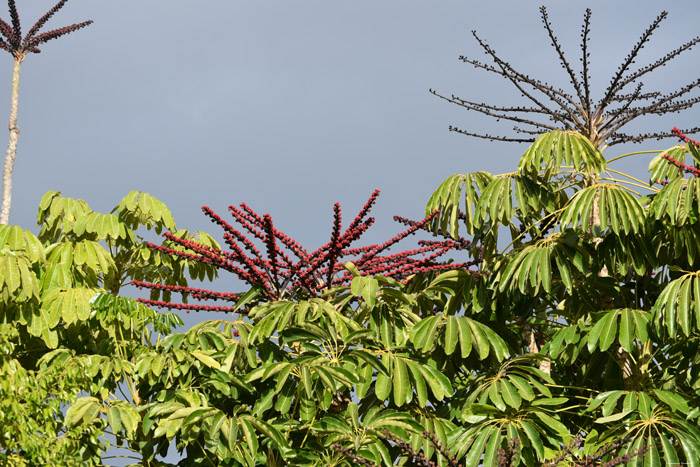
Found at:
[11, 40]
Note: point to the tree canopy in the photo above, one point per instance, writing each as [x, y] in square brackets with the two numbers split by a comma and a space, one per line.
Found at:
[365, 364]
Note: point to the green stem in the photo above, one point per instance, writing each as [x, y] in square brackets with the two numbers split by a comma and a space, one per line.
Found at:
[632, 154]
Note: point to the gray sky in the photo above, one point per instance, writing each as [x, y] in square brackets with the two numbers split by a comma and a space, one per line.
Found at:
[293, 105]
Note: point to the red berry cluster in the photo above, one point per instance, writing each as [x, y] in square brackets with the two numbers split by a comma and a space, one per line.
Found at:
[287, 270]
[199, 294]
[188, 306]
[683, 168]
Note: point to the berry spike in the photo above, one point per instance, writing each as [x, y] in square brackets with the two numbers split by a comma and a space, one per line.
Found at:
[410, 231]
[200, 294]
[188, 307]
[335, 251]
[365, 209]
[271, 246]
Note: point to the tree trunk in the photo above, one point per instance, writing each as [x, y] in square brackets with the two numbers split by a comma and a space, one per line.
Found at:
[623, 358]
[533, 347]
[11, 146]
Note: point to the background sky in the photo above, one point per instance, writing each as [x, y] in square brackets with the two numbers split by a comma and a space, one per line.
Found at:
[291, 106]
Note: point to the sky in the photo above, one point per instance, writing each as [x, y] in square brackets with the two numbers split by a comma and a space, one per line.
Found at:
[291, 106]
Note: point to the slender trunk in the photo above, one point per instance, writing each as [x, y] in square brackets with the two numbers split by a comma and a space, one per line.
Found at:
[533, 347]
[11, 146]
[623, 358]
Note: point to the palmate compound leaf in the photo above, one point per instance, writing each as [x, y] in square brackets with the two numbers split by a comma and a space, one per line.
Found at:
[538, 429]
[440, 427]
[407, 375]
[140, 208]
[456, 193]
[101, 225]
[449, 331]
[678, 306]
[657, 419]
[83, 411]
[55, 212]
[661, 170]
[552, 150]
[535, 198]
[627, 253]
[63, 258]
[276, 316]
[496, 202]
[517, 383]
[623, 325]
[532, 268]
[18, 282]
[123, 416]
[14, 238]
[678, 202]
[618, 209]
[69, 305]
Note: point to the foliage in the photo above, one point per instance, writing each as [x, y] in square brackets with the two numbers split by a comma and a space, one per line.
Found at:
[31, 415]
[363, 363]
[597, 279]
[367, 365]
[64, 331]
[508, 456]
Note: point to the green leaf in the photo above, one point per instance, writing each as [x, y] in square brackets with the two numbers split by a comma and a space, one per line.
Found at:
[452, 332]
[401, 382]
[477, 447]
[249, 435]
[418, 382]
[612, 418]
[670, 456]
[423, 333]
[369, 292]
[206, 359]
[608, 331]
[495, 396]
[627, 329]
[82, 412]
[534, 438]
[553, 424]
[114, 419]
[478, 338]
[684, 297]
[510, 394]
[524, 389]
[492, 447]
[130, 418]
[465, 336]
[382, 386]
[673, 400]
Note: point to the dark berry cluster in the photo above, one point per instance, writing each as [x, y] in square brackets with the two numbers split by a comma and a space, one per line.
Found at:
[12, 40]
